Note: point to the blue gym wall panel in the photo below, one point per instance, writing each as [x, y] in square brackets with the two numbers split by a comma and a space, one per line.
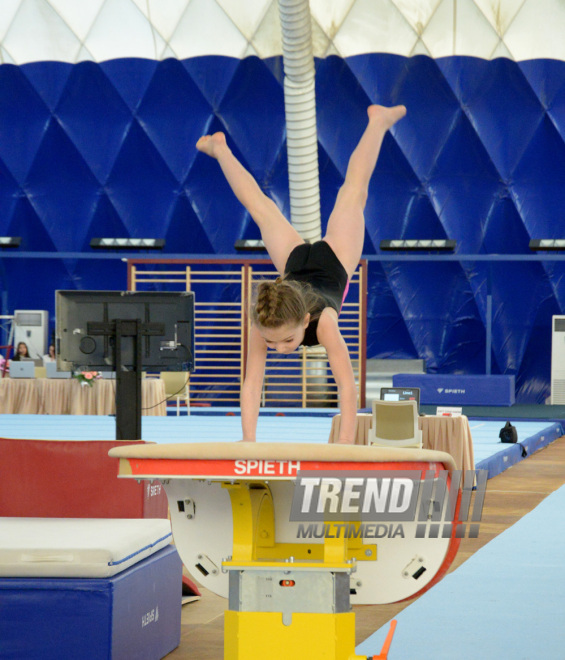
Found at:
[107, 149]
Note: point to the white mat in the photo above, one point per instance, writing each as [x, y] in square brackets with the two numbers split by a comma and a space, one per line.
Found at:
[73, 547]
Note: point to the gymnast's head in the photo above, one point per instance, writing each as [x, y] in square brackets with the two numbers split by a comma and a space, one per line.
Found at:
[281, 313]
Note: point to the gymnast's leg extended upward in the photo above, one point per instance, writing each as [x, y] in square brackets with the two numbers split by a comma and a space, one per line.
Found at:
[346, 226]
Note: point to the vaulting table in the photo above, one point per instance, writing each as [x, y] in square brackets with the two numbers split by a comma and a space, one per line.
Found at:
[230, 506]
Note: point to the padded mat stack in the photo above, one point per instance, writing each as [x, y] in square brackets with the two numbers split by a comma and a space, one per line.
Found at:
[88, 588]
[54, 478]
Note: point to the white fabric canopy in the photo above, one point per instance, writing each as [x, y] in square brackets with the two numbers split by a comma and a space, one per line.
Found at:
[99, 30]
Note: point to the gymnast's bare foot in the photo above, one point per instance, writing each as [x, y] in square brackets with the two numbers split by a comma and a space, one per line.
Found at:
[345, 442]
[211, 144]
[388, 116]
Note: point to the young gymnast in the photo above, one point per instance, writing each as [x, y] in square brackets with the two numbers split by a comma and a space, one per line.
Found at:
[302, 307]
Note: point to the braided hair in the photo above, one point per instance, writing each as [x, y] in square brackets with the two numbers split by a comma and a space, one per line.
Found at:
[284, 302]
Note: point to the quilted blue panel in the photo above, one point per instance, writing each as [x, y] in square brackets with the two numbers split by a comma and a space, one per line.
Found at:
[108, 150]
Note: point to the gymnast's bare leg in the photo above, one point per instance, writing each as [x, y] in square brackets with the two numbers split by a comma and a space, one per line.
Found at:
[346, 226]
[278, 235]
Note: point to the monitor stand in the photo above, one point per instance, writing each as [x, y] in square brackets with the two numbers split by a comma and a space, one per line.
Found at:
[128, 383]
[127, 335]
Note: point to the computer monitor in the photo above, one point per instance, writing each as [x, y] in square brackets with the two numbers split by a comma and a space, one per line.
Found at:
[401, 394]
[36, 362]
[52, 372]
[86, 329]
[22, 369]
[125, 332]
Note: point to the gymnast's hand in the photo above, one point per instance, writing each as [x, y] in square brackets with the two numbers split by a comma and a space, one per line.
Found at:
[211, 144]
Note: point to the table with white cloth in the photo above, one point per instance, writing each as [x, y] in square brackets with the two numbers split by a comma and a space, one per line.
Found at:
[66, 396]
[442, 433]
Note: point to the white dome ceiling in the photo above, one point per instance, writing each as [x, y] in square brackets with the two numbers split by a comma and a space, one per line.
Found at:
[99, 30]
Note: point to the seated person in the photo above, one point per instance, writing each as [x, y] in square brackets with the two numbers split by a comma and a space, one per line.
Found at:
[21, 352]
[50, 356]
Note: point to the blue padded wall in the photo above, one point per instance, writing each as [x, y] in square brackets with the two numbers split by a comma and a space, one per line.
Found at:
[108, 150]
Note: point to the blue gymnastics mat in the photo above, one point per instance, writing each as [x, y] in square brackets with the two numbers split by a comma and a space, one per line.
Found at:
[490, 453]
[187, 428]
[505, 602]
[495, 456]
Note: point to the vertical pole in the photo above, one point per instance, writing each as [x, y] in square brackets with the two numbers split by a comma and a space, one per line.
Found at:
[131, 276]
[363, 333]
[488, 348]
[4, 312]
[128, 383]
[188, 276]
[5, 339]
[246, 275]
[304, 381]
[300, 117]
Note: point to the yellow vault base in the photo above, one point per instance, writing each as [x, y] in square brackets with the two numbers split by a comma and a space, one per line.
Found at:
[262, 635]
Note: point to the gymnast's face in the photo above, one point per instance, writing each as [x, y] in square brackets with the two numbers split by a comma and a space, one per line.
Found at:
[286, 338]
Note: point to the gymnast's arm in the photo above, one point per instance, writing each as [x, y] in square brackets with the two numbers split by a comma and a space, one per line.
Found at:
[253, 384]
[340, 362]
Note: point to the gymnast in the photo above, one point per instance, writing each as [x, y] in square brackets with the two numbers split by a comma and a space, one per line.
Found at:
[302, 306]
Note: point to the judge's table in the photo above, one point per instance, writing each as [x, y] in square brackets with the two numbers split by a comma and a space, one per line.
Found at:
[441, 433]
[59, 396]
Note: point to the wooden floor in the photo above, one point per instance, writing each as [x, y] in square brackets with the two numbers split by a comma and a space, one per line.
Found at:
[509, 496]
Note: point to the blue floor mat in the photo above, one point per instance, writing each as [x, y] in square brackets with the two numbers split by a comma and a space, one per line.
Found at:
[493, 455]
[504, 603]
[489, 452]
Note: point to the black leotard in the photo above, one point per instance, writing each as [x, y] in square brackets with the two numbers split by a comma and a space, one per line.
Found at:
[317, 264]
